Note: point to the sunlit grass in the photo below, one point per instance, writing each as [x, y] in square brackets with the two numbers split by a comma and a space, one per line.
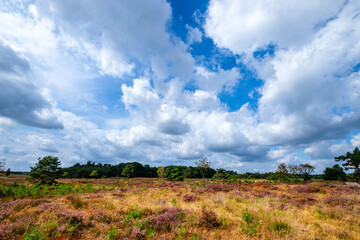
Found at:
[154, 209]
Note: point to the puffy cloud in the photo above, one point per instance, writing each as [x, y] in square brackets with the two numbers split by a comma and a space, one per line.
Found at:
[215, 82]
[20, 99]
[193, 35]
[244, 26]
[117, 34]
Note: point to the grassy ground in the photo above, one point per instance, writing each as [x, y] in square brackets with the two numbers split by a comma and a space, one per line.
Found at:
[154, 209]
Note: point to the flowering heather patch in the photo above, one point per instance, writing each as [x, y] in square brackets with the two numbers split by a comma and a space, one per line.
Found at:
[216, 188]
[190, 198]
[328, 210]
[169, 218]
[137, 234]
[306, 189]
[75, 217]
[339, 201]
[5, 230]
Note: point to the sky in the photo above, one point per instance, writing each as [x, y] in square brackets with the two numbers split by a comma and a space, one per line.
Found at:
[247, 84]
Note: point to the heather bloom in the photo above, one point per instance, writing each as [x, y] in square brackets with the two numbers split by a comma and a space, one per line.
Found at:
[165, 221]
[75, 216]
[190, 198]
[138, 234]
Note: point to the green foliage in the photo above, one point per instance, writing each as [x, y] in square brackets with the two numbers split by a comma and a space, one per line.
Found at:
[94, 174]
[34, 234]
[46, 171]
[26, 190]
[175, 174]
[161, 172]
[203, 165]
[250, 225]
[281, 227]
[135, 214]
[352, 161]
[334, 173]
[128, 171]
[221, 173]
[7, 173]
[112, 234]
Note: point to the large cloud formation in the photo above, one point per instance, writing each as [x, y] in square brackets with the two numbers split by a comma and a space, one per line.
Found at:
[20, 100]
[125, 87]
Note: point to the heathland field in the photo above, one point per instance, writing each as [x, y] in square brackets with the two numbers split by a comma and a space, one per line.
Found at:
[145, 208]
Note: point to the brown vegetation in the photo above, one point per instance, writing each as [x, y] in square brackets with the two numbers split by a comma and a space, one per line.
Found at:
[154, 209]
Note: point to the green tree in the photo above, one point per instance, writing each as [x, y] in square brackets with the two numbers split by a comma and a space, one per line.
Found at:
[175, 174]
[161, 172]
[46, 171]
[94, 174]
[7, 173]
[334, 173]
[203, 165]
[306, 170]
[128, 171]
[2, 165]
[221, 174]
[352, 161]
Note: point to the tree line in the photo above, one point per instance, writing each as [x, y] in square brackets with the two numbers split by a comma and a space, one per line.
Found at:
[48, 169]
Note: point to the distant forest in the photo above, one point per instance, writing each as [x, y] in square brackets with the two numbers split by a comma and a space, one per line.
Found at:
[135, 169]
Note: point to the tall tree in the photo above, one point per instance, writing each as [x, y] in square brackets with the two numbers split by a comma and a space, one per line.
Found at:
[46, 171]
[203, 165]
[2, 165]
[161, 172]
[352, 161]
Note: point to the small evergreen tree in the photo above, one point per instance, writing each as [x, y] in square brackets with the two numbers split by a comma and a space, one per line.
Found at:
[334, 173]
[7, 173]
[46, 171]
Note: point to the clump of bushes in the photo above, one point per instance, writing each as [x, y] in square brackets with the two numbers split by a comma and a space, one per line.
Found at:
[167, 219]
[209, 219]
[190, 198]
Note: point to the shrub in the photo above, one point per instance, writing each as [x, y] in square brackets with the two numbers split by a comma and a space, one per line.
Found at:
[166, 220]
[190, 198]
[138, 234]
[281, 227]
[208, 219]
[250, 225]
[76, 201]
[74, 217]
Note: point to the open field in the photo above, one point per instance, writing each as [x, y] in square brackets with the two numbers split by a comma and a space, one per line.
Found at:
[153, 209]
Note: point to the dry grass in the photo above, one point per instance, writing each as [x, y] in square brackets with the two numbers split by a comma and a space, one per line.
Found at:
[154, 209]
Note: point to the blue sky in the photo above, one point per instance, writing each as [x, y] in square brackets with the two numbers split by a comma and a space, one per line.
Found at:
[244, 83]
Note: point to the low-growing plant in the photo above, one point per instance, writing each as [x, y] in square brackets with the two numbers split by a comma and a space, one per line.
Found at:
[250, 225]
[281, 227]
[76, 201]
[209, 219]
[112, 233]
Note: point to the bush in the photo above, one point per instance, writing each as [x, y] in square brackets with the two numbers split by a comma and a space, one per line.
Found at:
[281, 227]
[166, 220]
[46, 171]
[208, 219]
